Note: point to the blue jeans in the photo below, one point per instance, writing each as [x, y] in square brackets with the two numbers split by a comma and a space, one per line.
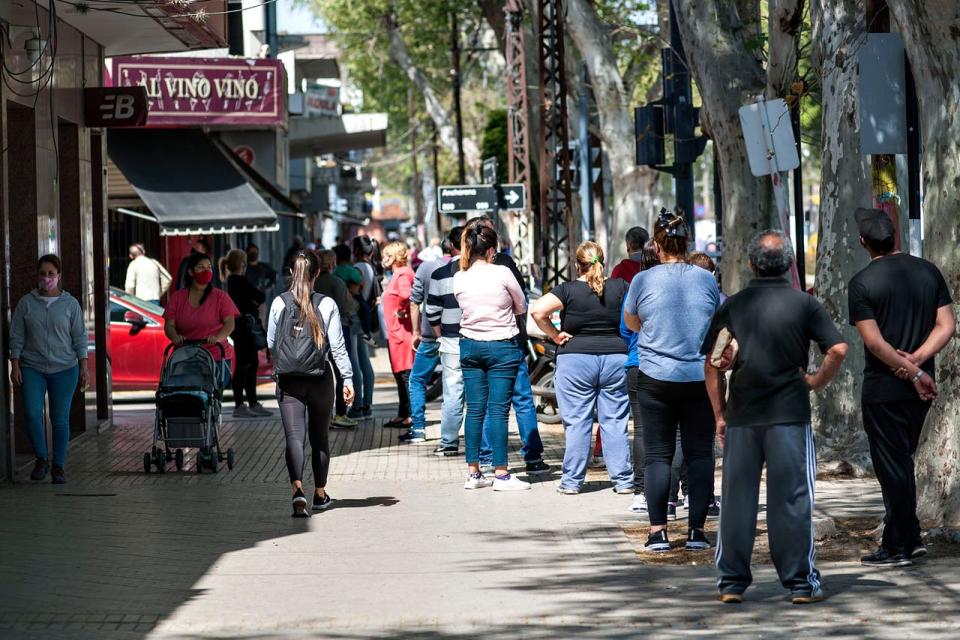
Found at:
[363, 376]
[424, 364]
[60, 386]
[489, 374]
[532, 450]
[584, 381]
[451, 416]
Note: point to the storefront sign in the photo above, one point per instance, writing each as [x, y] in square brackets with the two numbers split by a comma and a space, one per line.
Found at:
[115, 106]
[206, 91]
[322, 102]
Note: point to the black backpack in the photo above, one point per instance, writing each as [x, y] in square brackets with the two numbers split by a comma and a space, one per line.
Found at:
[295, 352]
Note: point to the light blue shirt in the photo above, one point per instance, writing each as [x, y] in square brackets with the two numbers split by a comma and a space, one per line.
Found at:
[675, 303]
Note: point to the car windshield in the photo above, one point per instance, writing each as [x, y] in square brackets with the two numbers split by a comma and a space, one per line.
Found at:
[137, 302]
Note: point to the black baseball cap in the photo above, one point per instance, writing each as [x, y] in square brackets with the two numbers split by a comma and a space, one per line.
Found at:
[874, 225]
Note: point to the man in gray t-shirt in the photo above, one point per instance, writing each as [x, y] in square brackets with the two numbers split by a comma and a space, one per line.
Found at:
[427, 346]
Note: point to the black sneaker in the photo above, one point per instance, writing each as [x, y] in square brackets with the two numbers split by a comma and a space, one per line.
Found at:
[300, 505]
[657, 542]
[538, 467]
[446, 452]
[40, 470]
[713, 511]
[697, 541]
[412, 437]
[884, 557]
[671, 511]
[322, 504]
[57, 476]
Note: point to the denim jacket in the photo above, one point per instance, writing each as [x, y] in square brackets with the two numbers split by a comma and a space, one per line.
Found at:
[48, 339]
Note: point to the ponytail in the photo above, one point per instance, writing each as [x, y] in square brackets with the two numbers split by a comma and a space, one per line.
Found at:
[590, 265]
[303, 271]
[477, 239]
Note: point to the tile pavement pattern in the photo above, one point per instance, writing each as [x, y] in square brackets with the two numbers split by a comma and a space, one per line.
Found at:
[405, 553]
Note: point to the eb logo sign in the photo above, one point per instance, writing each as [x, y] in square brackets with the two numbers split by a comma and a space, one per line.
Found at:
[115, 106]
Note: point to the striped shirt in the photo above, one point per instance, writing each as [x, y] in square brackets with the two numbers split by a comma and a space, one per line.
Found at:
[442, 309]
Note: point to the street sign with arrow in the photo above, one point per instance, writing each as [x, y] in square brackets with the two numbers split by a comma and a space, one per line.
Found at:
[481, 197]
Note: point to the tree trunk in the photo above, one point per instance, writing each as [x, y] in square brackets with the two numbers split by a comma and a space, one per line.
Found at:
[931, 33]
[838, 27]
[784, 24]
[728, 76]
[435, 109]
[632, 185]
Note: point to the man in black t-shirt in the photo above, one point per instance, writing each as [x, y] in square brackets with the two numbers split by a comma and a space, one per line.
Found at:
[901, 307]
[767, 420]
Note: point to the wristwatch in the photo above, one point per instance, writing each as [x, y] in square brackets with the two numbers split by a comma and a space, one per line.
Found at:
[918, 375]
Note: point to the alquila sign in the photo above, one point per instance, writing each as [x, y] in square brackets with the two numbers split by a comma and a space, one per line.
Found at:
[206, 91]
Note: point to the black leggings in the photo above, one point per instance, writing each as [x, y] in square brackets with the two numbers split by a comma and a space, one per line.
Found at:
[678, 471]
[665, 406]
[305, 403]
[403, 390]
[245, 378]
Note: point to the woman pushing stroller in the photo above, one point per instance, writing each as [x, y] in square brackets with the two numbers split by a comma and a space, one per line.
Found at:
[303, 328]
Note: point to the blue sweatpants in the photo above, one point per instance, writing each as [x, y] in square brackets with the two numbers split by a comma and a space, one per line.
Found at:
[582, 381]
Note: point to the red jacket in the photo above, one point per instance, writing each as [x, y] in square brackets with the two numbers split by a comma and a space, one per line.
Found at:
[626, 270]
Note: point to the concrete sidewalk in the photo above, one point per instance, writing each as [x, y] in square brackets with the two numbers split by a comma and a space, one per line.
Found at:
[405, 553]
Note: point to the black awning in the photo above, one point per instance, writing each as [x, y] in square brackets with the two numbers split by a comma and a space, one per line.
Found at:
[188, 183]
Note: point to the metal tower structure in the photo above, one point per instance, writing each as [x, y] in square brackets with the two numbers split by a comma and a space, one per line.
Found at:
[518, 129]
[556, 211]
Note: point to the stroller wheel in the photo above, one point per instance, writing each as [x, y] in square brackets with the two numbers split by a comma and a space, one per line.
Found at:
[231, 459]
[161, 463]
[213, 462]
[147, 463]
[178, 459]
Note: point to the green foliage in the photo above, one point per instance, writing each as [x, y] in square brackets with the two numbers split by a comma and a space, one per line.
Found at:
[495, 142]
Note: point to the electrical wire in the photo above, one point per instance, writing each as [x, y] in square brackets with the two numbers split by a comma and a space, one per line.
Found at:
[198, 15]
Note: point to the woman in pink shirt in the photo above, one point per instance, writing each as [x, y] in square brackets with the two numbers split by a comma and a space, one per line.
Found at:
[490, 300]
[201, 312]
[396, 315]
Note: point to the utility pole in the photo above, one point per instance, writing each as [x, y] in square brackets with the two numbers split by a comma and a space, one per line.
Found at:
[270, 29]
[586, 168]
[685, 119]
[518, 130]
[418, 205]
[455, 73]
[436, 172]
[800, 236]
[556, 214]
[673, 114]
[883, 166]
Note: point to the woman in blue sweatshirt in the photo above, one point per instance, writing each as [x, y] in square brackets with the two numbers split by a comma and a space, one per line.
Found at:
[48, 355]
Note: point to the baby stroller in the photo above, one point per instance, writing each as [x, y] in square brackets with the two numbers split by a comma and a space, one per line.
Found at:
[188, 409]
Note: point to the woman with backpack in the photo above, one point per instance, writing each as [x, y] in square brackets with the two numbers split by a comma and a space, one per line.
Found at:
[304, 328]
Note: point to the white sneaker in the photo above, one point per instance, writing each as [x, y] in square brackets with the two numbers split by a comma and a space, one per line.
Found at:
[596, 462]
[477, 482]
[639, 504]
[509, 483]
[488, 472]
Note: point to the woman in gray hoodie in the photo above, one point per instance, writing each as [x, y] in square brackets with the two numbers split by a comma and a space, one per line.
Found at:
[48, 354]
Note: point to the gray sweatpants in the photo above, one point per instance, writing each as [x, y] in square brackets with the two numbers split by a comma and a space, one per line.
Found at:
[789, 453]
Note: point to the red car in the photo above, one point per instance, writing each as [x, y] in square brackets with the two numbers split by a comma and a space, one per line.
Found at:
[137, 342]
